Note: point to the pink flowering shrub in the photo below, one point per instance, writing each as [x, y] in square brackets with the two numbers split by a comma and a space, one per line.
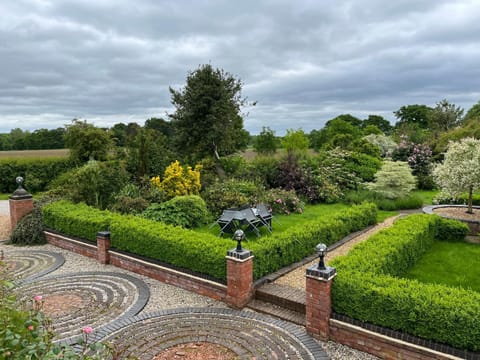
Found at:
[282, 201]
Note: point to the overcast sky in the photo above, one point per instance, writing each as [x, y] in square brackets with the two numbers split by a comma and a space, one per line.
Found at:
[303, 62]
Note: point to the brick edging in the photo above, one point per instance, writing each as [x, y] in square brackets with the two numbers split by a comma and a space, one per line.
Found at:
[185, 281]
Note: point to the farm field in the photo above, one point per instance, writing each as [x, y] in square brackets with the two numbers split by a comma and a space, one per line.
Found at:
[449, 263]
[33, 154]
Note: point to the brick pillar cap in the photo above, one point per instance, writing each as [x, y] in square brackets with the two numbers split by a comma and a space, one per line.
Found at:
[104, 234]
[321, 274]
[240, 255]
[20, 194]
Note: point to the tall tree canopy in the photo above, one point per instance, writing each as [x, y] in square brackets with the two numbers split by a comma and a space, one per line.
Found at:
[208, 119]
[86, 141]
[413, 115]
[445, 116]
[473, 112]
[378, 121]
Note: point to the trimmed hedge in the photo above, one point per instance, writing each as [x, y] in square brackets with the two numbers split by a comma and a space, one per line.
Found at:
[204, 253]
[77, 220]
[368, 287]
[38, 173]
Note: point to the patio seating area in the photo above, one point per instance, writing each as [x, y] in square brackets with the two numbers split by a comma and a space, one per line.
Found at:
[248, 219]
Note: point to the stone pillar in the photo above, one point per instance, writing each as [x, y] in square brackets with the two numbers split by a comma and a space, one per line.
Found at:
[319, 301]
[103, 247]
[239, 277]
[21, 203]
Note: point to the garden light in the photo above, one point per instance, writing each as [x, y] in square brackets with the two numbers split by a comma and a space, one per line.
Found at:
[322, 250]
[239, 235]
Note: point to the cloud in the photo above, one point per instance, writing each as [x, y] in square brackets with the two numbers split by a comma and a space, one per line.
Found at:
[303, 62]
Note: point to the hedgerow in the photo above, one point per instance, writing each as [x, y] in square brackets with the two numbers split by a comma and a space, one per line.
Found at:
[368, 286]
[199, 252]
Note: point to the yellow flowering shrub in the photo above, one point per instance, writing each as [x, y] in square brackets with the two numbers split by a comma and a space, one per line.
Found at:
[178, 181]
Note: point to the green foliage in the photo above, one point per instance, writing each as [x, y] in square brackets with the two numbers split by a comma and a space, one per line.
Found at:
[200, 252]
[230, 193]
[38, 173]
[207, 118]
[129, 205]
[470, 128]
[441, 198]
[78, 220]
[86, 141]
[473, 113]
[29, 230]
[188, 211]
[95, 183]
[393, 180]
[378, 121]
[18, 139]
[413, 115]
[460, 172]
[265, 142]
[233, 164]
[445, 116]
[282, 201]
[367, 286]
[412, 201]
[363, 166]
[295, 141]
[262, 170]
[385, 143]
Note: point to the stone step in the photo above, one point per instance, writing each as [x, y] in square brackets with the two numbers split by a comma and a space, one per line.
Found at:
[282, 295]
[277, 311]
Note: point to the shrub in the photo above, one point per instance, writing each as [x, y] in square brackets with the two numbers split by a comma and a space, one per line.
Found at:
[95, 183]
[179, 181]
[188, 211]
[262, 170]
[29, 230]
[232, 164]
[460, 200]
[367, 287]
[129, 205]
[230, 194]
[38, 173]
[412, 201]
[282, 201]
[393, 180]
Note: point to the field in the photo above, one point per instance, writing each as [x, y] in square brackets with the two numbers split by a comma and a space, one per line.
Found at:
[449, 263]
[33, 154]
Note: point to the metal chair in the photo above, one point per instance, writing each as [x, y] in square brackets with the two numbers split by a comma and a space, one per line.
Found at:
[265, 215]
[249, 217]
[226, 222]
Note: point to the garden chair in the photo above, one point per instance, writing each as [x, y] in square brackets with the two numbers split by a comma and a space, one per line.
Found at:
[265, 215]
[253, 222]
[226, 222]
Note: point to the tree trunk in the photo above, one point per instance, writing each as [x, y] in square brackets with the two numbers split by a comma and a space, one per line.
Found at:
[470, 200]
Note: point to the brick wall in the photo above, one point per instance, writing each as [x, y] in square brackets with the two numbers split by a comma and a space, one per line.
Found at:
[185, 281]
[18, 209]
[380, 345]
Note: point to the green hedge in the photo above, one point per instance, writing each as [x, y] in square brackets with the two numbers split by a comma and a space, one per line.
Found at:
[77, 220]
[37, 172]
[204, 253]
[368, 287]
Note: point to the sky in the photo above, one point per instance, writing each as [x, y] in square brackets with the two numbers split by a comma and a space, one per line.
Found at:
[303, 62]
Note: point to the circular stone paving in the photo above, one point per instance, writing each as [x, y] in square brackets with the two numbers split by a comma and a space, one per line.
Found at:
[246, 334]
[94, 299]
[29, 265]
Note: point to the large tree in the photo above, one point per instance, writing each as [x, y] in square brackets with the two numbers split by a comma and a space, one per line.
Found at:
[378, 121]
[208, 120]
[413, 115]
[265, 143]
[86, 141]
[444, 116]
[460, 171]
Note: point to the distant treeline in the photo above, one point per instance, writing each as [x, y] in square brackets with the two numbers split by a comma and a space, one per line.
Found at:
[40, 139]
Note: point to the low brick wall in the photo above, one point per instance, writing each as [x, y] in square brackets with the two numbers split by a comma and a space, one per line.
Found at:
[170, 276]
[380, 345]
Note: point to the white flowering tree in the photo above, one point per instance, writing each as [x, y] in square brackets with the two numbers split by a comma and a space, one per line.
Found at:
[460, 171]
[394, 180]
[385, 143]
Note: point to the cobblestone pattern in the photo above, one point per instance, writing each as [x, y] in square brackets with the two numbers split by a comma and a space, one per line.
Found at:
[248, 334]
[95, 299]
[29, 265]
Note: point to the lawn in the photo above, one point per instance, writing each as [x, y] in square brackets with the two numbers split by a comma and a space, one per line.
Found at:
[449, 263]
[311, 212]
[426, 195]
[35, 154]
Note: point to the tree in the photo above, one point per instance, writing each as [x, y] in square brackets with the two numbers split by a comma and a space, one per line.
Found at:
[295, 141]
[385, 143]
[460, 171]
[207, 119]
[394, 180]
[265, 142]
[473, 113]
[378, 121]
[444, 116]
[86, 141]
[352, 120]
[162, 126]
[413, 114]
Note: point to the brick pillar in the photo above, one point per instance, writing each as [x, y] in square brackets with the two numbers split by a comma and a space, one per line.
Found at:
[103, 247]
[319, 302]
[239, 278]
[21, 203]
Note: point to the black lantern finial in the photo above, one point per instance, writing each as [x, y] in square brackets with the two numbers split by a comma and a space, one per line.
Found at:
[321, 250]
[239, 235]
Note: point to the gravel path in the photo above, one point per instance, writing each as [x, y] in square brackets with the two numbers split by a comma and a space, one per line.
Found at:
[296, 278]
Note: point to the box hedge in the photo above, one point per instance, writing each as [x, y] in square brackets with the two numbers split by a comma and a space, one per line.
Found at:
[199, 252]
[369, 286]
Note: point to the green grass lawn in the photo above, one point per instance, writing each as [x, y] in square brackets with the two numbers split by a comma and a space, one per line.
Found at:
[449, 263]
[426, 195]
[4, 196]
[311, 212]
